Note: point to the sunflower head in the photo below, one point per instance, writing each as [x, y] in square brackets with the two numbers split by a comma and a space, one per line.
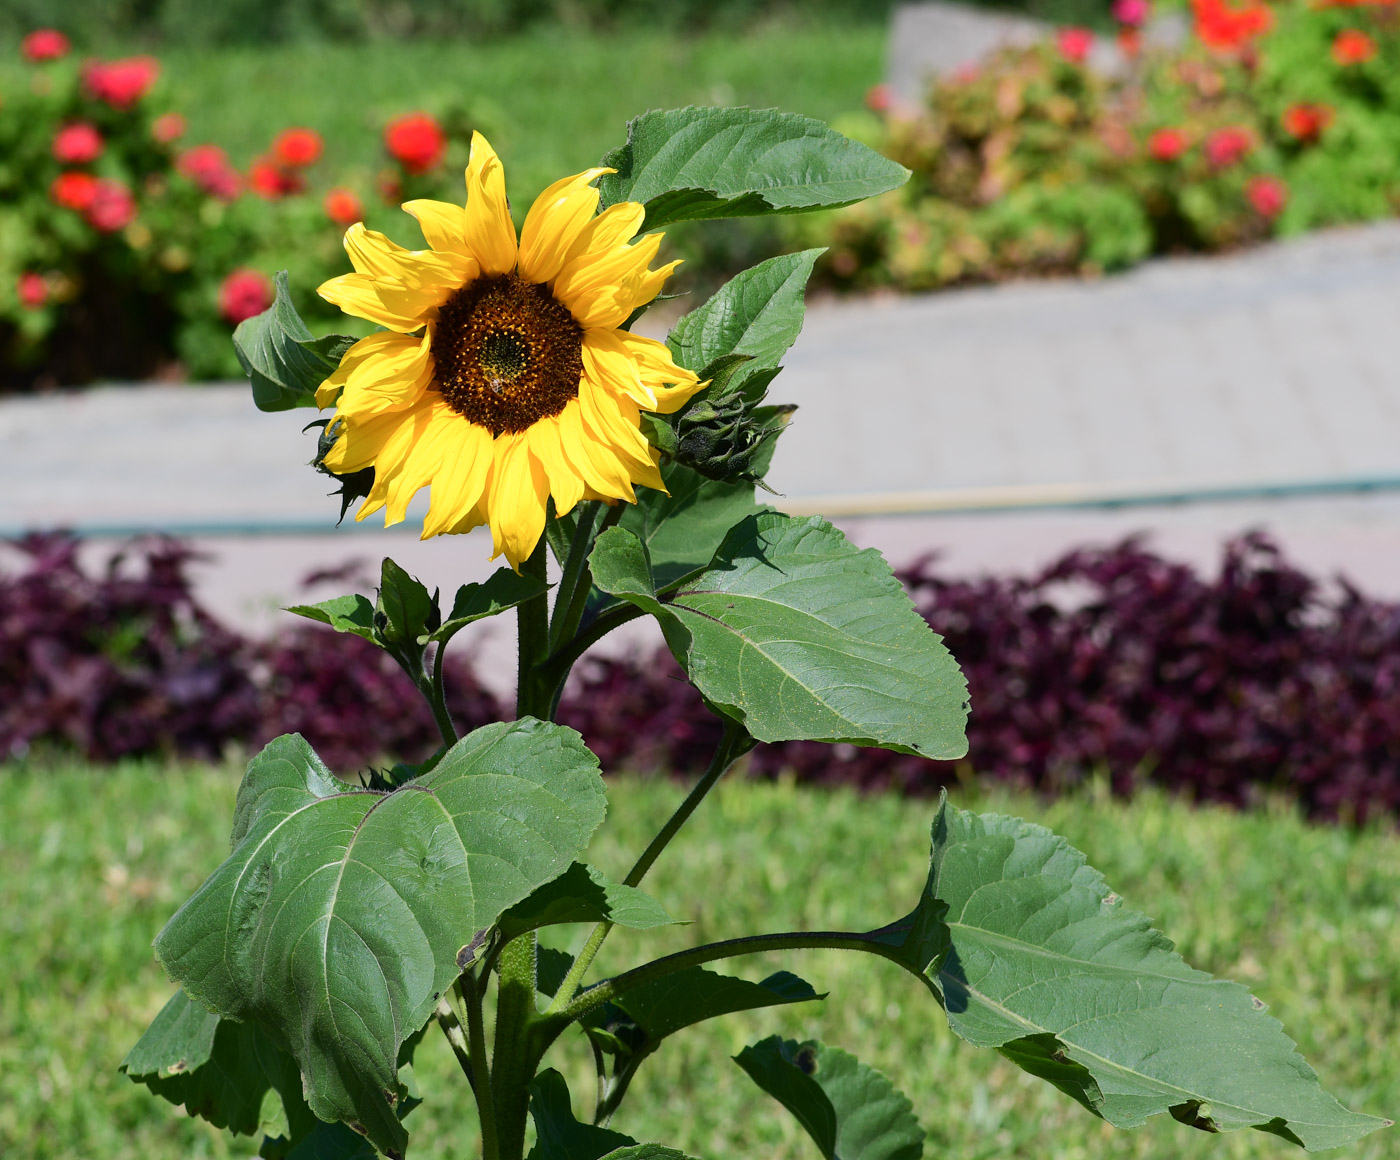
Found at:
[502, 377]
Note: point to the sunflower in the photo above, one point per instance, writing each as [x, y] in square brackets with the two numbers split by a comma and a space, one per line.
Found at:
[502, 377]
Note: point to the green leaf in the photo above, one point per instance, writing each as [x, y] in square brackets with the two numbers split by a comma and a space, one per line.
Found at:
[690, 163]
[344, 913]
[757, 313]
[282, 360]
[682, 530]
[647, 1152]
[558, 1135]
[1031, 954]
[353, 613]
[501, 591]
[795, 633]
[332, 1142]
[676, 1001]
[220, 1071]
[850, 1109]
[405, 612]
[583, 894]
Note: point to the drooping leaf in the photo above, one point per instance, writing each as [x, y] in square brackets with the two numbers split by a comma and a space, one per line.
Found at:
[1031, 954]
[551, 965]
[682, 530]
[583, 894]
[690, 163]
[219, 1070]
[797, 634]
[407, 612]
[353, 613]
[558, 1135]
[851, 1110]
[668, 1004]
[332, 1142]
[344, 913]
[499, 592]
[282, 360]
[757, 313]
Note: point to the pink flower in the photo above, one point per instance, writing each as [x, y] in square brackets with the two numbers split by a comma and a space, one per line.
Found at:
[33, 290]
[244, 294]
[1074, 44]
[415, 141]
[77, 143]
[73, 190]
[1133, 13]
[1267, 194]
[44, 44]
[343, 207]
[295, 148]
[168, 128]
[112, 207]
[121, 83]
[1226, 146]
[208, 167]
[1167, 144]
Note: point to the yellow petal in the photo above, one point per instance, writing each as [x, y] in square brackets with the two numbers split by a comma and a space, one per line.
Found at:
[615, 418]
[431, 441]
[554, 223]
[600, 290]
[648, 286]
[615, 226]
[384, 372]
[390, 460]
[617, 368]
[565, 484]
[519, 489]
[489, 232]
[361, 441]
[461, 481]
[374, 254]
[597, 466]
[671, 384]
[384, 300]
[443, 224]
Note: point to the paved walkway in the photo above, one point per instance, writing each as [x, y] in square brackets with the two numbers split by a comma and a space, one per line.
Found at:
[991, 421]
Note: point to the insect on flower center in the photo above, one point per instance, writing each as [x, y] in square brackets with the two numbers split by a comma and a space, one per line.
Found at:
[506, 353]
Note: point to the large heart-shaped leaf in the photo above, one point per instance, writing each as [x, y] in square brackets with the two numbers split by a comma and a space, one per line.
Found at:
[1031, 954]
[799, 635]
[344, 913]
[850, 1109]
[281, 358]
[692, 163]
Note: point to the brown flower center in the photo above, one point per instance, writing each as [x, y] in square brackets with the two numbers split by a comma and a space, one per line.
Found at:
[506, 353]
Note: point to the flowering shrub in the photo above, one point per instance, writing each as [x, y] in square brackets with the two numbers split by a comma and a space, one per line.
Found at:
[1273, 119]
[130, 252]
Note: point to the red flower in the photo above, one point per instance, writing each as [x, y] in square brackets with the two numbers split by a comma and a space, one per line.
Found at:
[1133, 13]
[1130, 41]
[343, 207]
[1167, 144]
[1226, 146]
[168, 128]
[121, 83]
[268, 179]
[1353, 46]
[295, 148]
[44, 44]
[1267, 194]
[1305, 122]
[112, 207]
[73, 190]
[244, 294]
[879, 98]
[77, 143]
[32, 289]
[208, 167]
[1222, 27]
[416, 142]
[1074, 44]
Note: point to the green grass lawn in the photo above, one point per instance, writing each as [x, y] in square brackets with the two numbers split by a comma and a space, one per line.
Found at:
[92, 862]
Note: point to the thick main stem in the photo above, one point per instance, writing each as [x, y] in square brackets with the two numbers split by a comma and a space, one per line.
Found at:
[513, 1062]
[533, 620]
[481, 1067]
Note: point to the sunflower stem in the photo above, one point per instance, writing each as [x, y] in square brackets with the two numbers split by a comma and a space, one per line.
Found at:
[568, 616]
[575, 563]
[513, 1063]
[531, 699]
[481, 1068]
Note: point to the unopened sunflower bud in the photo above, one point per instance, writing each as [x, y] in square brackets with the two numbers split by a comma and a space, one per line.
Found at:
[355, 485]
[722, 430]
